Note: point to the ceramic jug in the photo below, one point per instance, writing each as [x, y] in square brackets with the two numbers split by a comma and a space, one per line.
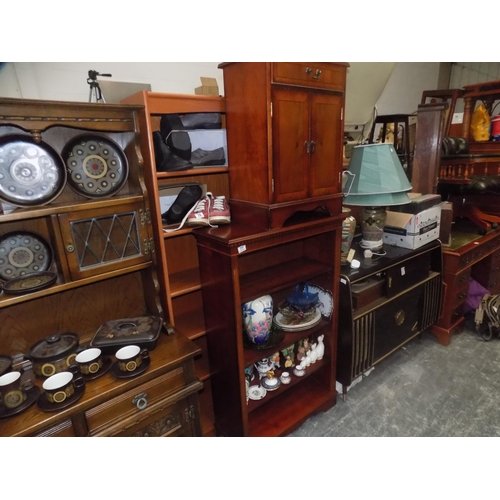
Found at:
[258, 319]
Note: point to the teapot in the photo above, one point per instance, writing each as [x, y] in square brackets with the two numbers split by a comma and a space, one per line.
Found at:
[263, 366]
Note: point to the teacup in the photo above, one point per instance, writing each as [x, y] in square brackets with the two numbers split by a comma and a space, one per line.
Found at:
[12, 390]
[89, 361]
[61, 386]
[285, 378]
[131, 357]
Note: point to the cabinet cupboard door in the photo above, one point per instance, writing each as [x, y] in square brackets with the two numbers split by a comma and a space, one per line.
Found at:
[103, 240]
[307, 144]
[327, 137]
[290, 137]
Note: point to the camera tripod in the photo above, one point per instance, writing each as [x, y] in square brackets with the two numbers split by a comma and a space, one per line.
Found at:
[95, 94]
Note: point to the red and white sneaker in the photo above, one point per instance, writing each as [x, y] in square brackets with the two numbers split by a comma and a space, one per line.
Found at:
[200, 214]
[219, 211]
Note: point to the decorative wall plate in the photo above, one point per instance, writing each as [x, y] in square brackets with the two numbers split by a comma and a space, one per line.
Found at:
[23, 253]
[30, 173]
[325, 298]
[29, 283]
[97, 167]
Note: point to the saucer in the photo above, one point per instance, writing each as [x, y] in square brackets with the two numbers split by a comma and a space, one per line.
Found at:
[45, 405]
[106, 365]
[31, 396]
[116, 372]
[275, 337]
[282, 322]
[269, 386]
[256, 392]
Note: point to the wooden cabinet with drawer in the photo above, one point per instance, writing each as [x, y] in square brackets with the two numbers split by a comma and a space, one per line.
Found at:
[284, 139]
[95, 244]
[470, 255]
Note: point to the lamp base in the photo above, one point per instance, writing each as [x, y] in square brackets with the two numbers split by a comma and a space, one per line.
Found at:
[372, 227]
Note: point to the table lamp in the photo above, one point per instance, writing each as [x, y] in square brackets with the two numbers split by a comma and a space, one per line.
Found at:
[378, 180]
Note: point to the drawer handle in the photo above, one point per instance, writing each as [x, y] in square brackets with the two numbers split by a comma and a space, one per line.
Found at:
[141, 401]
[308, 70]
[317, 75]
[399, 317]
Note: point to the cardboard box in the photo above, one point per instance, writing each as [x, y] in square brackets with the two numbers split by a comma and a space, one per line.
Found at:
[413, 230]
[419, 203]
[209, 86]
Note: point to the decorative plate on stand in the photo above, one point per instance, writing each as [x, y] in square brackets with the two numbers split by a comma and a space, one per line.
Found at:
[23, 253]
[97, 167]
[325, 298]
[31, 173]
[30, 283]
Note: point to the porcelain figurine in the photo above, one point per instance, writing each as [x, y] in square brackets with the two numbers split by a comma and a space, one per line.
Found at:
[275, 358]
[320, 349]
[308, 358]
[258, 319]
[314, 354]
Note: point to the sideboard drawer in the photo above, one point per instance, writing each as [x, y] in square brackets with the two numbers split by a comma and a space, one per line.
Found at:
[62, 429]
[135, 401]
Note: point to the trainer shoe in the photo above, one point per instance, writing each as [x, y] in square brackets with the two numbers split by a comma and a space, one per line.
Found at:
[200, 214]
[219, 211]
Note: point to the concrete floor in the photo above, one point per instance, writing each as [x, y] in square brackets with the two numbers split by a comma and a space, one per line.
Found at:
[422, 390]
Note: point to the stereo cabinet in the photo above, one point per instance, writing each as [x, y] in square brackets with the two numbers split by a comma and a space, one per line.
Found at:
[100, 250]
[384, 304]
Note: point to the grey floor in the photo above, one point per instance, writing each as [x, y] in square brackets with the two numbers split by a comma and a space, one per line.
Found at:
[424, 390]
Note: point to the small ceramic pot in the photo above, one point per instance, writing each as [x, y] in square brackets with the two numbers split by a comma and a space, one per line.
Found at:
[54, 354]
[258, 319]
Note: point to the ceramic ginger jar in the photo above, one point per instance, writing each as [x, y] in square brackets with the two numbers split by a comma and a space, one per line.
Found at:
[258, 319]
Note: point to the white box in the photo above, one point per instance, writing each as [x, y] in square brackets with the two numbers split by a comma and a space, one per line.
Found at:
[412, 230]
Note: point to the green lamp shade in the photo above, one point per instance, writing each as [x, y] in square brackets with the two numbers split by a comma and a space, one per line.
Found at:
[376, 177]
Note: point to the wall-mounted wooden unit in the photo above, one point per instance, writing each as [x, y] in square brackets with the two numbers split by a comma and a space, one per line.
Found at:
[177, 257]
[285, 139]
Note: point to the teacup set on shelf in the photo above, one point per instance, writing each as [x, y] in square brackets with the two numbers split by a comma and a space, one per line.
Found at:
[64, 388]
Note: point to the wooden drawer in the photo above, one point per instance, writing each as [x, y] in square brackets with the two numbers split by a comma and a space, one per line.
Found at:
[318, 75]
[461, 279]
[460, 296]
[406, 274]
[487, 272]
[62, 429]
[165, 419]
[126, 405]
